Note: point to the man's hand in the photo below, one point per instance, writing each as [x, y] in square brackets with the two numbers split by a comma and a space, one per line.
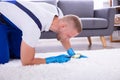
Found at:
[71, 52]
[58, 59]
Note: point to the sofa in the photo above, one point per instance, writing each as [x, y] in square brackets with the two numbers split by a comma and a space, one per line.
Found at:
[95, 22]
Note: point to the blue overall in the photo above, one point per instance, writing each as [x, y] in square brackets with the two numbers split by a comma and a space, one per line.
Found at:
[11, 36]
[10, 41]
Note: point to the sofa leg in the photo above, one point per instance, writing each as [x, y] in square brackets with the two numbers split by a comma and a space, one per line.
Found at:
[90, 41]
[103, 41]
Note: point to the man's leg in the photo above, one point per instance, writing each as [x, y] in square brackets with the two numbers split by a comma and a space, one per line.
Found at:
[14, 38]
[4, 49]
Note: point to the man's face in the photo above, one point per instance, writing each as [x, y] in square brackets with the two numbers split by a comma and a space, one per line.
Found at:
[66, 33]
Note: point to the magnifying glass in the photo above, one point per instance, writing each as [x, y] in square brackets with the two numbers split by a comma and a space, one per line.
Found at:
[78, 56]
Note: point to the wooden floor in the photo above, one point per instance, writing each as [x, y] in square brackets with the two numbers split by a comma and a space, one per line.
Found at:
[52, 45]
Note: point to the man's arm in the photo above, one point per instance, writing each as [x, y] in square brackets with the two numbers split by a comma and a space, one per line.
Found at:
[66, 44]
[27, 55]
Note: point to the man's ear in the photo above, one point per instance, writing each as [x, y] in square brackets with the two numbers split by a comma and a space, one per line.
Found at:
[64, 24]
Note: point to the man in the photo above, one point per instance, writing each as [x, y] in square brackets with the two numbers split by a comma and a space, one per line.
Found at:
[50, 18]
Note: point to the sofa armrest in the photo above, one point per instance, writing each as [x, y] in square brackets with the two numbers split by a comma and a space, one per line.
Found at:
[107, 13]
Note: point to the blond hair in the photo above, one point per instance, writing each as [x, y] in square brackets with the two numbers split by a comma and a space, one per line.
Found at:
[74, 20]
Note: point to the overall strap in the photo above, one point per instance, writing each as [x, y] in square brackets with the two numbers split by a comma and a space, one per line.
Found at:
[36, 20]
[58, 11]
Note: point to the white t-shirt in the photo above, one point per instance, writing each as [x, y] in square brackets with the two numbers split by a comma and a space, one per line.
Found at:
[43, 11]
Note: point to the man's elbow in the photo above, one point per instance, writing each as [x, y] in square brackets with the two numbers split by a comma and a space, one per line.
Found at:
[26, 62]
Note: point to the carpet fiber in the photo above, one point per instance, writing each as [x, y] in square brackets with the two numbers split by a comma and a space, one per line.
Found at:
[100, 65]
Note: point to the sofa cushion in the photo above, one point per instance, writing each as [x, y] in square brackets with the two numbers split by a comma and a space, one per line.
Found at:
[94, 23]
[81, 8]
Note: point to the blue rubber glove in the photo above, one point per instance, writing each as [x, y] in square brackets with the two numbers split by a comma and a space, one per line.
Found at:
[71, 52]
[58, 59]
[83, 56]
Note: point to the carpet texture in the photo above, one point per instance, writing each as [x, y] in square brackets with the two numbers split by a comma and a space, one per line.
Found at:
[100, 65]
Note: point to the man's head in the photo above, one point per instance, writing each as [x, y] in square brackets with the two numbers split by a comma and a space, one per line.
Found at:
[69, 26]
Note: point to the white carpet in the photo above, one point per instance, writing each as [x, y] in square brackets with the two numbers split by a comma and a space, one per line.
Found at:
[100, 65]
